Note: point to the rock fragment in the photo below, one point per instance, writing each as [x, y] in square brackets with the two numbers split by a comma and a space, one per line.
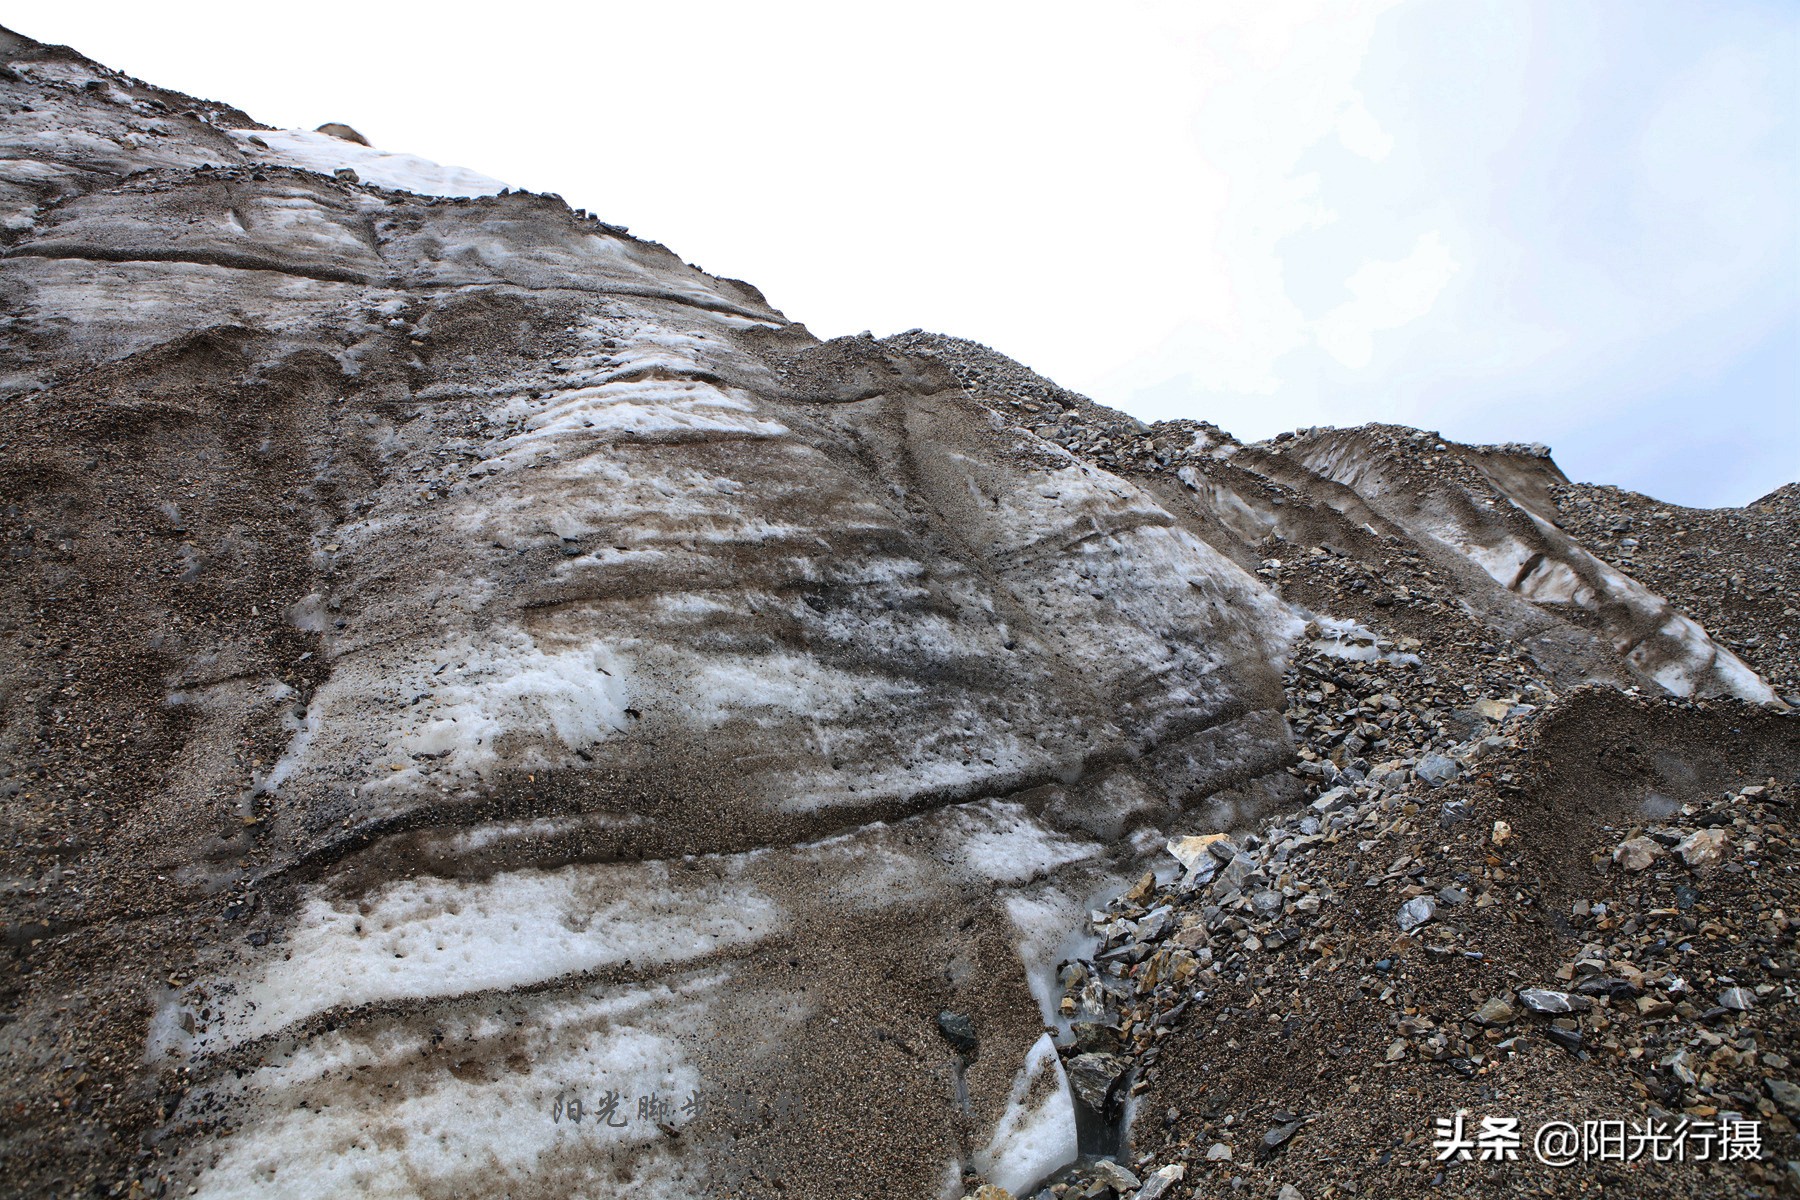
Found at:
[1416, 912]
[1635, 854]
[1093, 1075]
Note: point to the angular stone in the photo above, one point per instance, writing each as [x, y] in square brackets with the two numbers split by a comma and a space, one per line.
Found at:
[1190, 852]
[1737, 999]
[1331, 801]
[1437, 769]
[1159, 1182]
[1702, 848]
[1495, 1011]
[1543, 1000]
[1114, 1175]
[1092, 1076]
[1096, 1036]
[1568, 1039]
[1153, 924]
[1416, 912]
[958, 1030]
[1634, 854]
[1234, 873]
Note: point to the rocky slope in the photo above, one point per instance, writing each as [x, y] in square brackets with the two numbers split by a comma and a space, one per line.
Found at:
[489, 708]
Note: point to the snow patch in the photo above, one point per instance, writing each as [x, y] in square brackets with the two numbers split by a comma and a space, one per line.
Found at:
[328, 1129]
[436, 937]
[1036, 1133]
[323, 153]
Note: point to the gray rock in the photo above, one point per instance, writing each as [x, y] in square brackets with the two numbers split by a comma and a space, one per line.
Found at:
[1266, 903]
[1453, 896]
[1092, 1076]
[1738, 999]
[1096, 1036]
[1336, 798]
[1278, 1137]
[1784, 1094]
[1543, 1000]
[1437, 769]
[1160, 1181]
[1234, 873]
[958, 1030]
[1416, 912]
[1495, 1011]
[1109, 1172]
[1153, 924]
[1568, 1039]
[1224, 850]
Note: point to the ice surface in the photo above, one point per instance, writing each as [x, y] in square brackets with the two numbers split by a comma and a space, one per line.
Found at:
[1052, 929]
[1003, 842]
[462, 701]
[1036, 1133]
[452, 1130]
[436, 937]
[403, 172]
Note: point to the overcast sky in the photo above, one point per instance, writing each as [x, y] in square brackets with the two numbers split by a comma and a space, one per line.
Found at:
[1567, 221]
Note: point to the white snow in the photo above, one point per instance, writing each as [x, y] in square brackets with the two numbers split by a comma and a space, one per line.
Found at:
[328, 1126]
[1052, 928]
[1002, 842]
[457, 702]
[403, 172]
[1036, 1133]
[435, 937]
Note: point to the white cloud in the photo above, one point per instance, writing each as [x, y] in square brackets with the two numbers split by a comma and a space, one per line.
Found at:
[1362, 134]
[1386, 295]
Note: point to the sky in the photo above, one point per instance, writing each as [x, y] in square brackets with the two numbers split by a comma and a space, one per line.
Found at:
[1530, 220]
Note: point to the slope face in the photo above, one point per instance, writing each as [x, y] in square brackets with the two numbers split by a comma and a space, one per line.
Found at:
[461, 660]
